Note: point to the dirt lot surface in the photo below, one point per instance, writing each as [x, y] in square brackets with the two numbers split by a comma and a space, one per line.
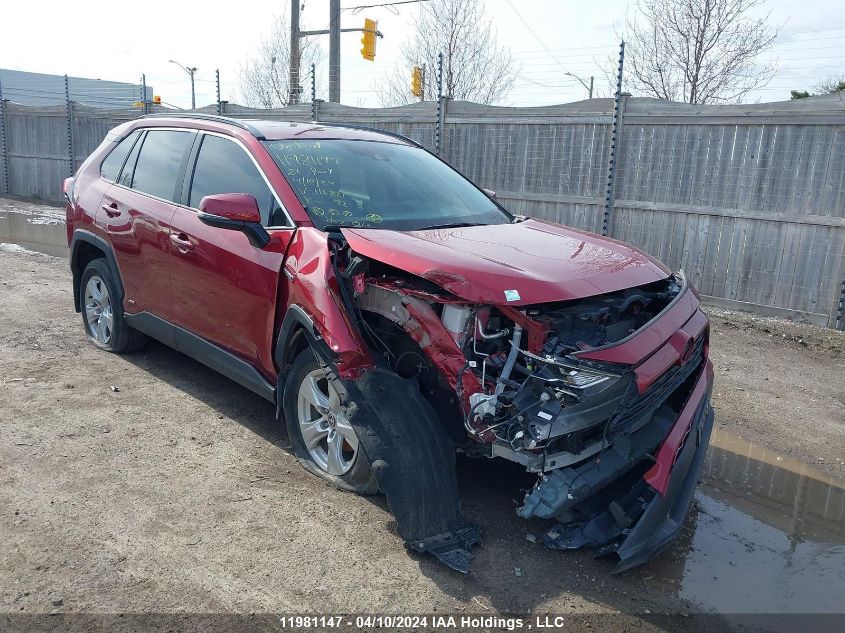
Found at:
[781, 385]
[150, 483]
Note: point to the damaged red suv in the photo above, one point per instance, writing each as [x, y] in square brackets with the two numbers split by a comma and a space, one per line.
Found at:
[396, 314]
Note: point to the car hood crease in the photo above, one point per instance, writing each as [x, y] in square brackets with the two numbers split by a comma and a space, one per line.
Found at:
[540, 261]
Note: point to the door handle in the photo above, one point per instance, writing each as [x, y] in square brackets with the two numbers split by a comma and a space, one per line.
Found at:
[182, 242]
[111, 209]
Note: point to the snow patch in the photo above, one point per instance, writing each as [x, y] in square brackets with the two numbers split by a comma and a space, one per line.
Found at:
[6, 247]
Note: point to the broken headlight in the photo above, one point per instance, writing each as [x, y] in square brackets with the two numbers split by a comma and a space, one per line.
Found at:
[586, 382]
[572, 378]
[584, 397]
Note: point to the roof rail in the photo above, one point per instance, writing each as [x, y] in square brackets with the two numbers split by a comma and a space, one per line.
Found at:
[209, 117]
[365, 128]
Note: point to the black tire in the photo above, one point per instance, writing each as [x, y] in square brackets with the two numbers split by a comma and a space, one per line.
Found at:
[119, 338]
[359, 478]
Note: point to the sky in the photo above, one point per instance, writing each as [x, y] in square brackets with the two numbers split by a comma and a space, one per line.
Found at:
[547, 39]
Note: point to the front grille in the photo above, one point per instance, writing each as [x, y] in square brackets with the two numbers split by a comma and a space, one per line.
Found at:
[635, 408]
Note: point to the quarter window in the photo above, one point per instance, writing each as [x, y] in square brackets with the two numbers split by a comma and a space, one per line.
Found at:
[110, 169]
[224, 167]
[159, 162]
[129, 166]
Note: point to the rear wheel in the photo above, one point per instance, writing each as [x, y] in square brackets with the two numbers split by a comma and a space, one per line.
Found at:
[320, 433]
[102, 312]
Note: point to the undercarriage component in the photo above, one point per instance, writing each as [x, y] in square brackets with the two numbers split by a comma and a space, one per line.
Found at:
[639, 524]
[566, 488]
[414, 463]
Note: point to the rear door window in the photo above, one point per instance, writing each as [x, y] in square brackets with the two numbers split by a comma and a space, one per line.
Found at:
[224, 167]
[160, 162]
[110, 169]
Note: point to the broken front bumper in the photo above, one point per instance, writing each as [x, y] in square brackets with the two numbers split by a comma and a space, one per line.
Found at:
[640, 522]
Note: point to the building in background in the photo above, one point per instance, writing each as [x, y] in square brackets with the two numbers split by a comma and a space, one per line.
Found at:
[43, 90]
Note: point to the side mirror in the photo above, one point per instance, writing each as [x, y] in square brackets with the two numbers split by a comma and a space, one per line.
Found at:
[236, 212]
[490, 194]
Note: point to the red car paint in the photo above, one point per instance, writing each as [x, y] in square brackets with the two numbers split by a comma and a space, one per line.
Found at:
[658, 475]
[313, 286]
[542, 261]
[673, 352]
[441, 348]
[234, 206]
[216, 285]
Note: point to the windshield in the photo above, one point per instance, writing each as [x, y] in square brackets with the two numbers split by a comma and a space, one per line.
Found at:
[370, 184]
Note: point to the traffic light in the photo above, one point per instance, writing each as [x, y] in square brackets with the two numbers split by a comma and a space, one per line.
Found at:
[369, 40]
[417, 81]
[157, 100]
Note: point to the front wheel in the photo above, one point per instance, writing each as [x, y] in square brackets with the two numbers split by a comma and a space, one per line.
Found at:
[320, 434]
[102, 312]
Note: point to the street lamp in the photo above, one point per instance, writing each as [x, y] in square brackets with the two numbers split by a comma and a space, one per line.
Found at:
[589, 88]
[190, 72]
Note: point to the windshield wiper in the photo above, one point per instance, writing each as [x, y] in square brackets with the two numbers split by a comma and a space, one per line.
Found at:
[455, 225]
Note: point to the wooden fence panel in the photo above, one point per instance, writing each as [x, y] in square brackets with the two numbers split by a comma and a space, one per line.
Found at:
[748, 199]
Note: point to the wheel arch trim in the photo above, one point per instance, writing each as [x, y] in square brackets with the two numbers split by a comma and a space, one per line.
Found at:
[81, 236]
[296, 321]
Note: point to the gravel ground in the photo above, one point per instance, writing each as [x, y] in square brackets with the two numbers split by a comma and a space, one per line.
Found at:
[149, 483]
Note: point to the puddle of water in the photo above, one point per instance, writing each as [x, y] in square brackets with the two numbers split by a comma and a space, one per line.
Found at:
[768, 536]
[34, 234]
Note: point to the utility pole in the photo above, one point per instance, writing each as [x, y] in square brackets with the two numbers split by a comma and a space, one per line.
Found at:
[190, 72]
[294, 52]
[333, 32]
[334, 51]
[313, 93]
[144, 94]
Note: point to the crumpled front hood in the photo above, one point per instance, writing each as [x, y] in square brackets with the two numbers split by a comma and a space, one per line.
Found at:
[520, 264]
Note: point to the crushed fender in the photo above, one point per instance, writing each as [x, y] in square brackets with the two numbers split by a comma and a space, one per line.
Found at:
[414, 463]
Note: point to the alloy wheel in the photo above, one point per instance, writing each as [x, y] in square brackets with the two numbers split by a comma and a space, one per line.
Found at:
[98, 310]
[328, 436]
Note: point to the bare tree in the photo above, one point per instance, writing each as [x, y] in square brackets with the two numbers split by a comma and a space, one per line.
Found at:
[697, 51]
[265, 78]
[475, 67]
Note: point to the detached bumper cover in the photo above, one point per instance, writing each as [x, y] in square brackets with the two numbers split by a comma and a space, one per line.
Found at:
[642, 522]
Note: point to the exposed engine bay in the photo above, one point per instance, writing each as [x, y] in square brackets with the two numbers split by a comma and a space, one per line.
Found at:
[513, 382]
[548, 409]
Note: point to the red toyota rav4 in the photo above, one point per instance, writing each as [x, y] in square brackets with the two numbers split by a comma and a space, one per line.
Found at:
[396, 314]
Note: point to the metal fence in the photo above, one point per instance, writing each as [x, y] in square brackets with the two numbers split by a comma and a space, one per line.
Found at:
[748, 199]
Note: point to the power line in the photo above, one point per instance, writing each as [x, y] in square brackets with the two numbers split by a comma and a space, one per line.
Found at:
[361, 7]
[534, 35]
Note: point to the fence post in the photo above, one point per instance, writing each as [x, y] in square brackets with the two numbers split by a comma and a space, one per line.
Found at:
[217, 79]
[615, 138]
[69, 117]
[841, 308]
[3, 142]
[441, 107]
[313, 93]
